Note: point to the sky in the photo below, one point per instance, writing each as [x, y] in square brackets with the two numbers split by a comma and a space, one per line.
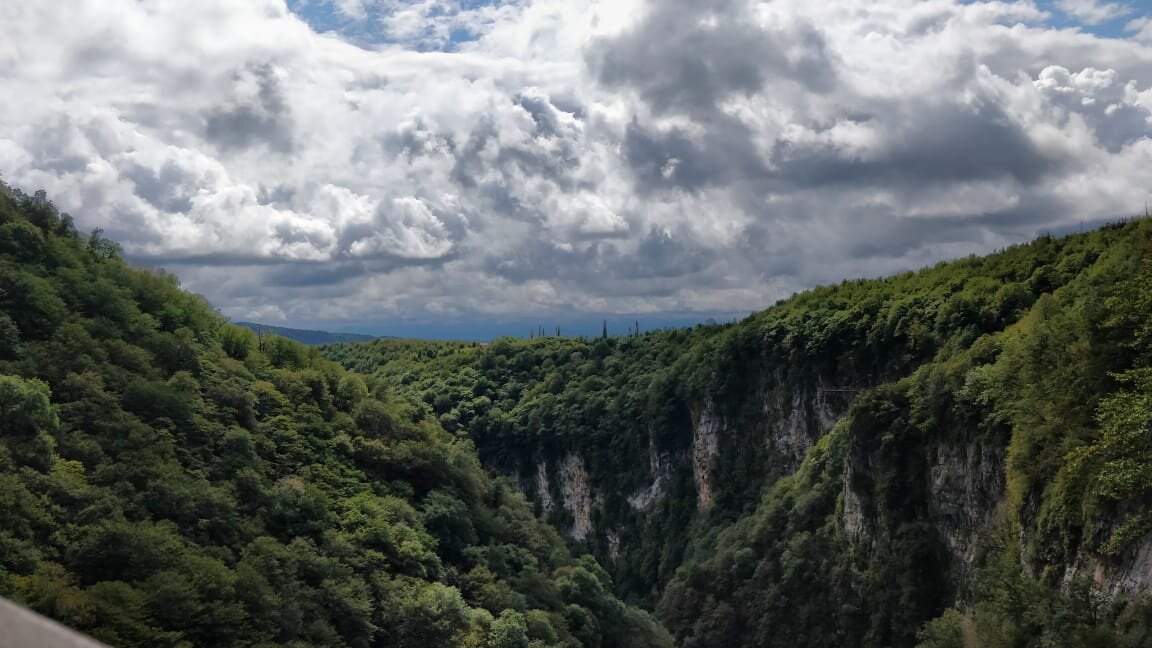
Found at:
[427, 167]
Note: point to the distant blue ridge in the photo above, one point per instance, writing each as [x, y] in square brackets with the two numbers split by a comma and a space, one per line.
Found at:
[305, 336]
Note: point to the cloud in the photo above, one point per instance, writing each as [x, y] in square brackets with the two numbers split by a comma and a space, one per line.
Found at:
[258, 114]
[1140, 28]
[381, 160]
[1093, 12]
[1117, 113]
[687, 56]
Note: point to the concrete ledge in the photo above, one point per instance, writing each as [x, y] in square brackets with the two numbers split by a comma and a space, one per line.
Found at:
[23, 628]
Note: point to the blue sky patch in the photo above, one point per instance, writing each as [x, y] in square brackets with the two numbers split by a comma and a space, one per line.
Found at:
[368, 30]
[1113, 28]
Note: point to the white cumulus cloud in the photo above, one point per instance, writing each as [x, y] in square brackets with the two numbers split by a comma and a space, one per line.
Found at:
[559, 156]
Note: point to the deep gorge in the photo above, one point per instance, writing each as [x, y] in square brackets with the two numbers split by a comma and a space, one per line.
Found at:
[846, 466]
[950, 457]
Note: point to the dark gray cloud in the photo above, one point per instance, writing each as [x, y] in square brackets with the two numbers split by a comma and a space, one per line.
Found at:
[698, 62]
[951, 142]
[60, 145]
[325, 274]
[657, 265]
[277, 195]
[167, 188]
[542, 260]
[663, 253]
[1122, 126]
[674, 159]
[543, 113]
[686, 56]
[251, 120]
[484, 159]
[339, 277]
[888, 235]
[926, 142]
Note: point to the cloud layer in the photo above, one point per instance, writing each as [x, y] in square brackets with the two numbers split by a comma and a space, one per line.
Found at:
[552, 156]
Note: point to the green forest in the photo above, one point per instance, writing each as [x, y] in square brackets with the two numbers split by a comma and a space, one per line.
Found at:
[1033, 366]
[955, 457]
[169, 479]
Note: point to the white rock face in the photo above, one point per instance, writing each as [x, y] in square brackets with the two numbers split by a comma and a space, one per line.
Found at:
[798, 419]
[1134, 576]
[966, 484]
[788, 433]
[966, 481]
[660, 464]
[827, 412]
[853, 516]
[577, 495]
[542, 492]
[704, 447]
[613, 544]
[1130, 577]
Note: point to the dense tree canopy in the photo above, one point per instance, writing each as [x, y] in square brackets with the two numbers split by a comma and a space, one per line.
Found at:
[1037, 356]
[168, 479]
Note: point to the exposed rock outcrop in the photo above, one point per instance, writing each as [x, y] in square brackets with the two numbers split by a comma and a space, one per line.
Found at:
[613, 538]
[857, 517]
[660, 464]
[796, 419]
[965, 483]
[543, 492]
[576, 495]
[1131, 575]
[705, 444]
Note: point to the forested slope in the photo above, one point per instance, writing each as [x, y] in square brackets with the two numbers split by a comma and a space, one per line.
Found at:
[849, 464]
[960, 456]
[166, 479]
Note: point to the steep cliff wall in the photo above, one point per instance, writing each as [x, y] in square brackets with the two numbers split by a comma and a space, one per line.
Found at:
[1128, 577]
[705, 445]
[846, 465]
[660, 466]
[695, 468]
[576, 493]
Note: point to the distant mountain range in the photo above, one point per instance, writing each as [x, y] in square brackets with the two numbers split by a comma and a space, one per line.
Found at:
[305, 336]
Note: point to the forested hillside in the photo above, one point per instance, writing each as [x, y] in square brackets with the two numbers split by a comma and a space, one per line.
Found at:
[166, 479]
[971, 443]
[960, 456]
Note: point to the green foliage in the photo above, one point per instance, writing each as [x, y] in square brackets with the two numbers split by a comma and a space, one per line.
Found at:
[25, 407]
[1028, 366]
[555, 395]
[168, 479]
[948, 631]
[1010, 610]
[1059, 392]
[510, 630]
